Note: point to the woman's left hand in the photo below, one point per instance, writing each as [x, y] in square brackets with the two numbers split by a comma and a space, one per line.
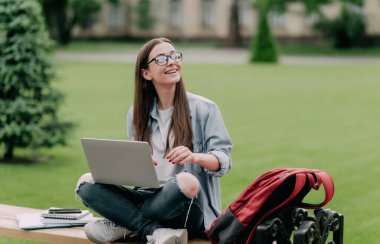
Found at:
[180, 155]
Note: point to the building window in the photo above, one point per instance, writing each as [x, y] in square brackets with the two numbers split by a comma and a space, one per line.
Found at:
[277, 20]
[175, 14]
[208, 13]
[311, 20]
[245, 13]
[115, 17]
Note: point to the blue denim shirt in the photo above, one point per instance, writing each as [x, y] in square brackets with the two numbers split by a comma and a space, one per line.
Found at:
[209, 136]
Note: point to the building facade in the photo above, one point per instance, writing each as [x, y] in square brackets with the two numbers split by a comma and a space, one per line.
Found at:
[207, 19]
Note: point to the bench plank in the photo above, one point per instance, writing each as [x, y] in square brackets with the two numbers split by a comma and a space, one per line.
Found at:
[9, 228]
[74, 235]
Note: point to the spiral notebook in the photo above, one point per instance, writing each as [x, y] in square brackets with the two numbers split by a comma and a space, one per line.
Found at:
[84, 220]
[65, 215]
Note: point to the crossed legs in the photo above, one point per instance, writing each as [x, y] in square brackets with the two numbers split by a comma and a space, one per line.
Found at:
[175, 205]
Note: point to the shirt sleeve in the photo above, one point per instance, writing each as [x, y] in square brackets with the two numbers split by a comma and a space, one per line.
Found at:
[217, 141]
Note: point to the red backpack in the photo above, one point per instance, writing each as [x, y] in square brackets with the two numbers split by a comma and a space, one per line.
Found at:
[278, 191]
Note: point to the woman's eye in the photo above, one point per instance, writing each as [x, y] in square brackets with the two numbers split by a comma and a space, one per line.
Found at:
[161, 59]
[175, 56]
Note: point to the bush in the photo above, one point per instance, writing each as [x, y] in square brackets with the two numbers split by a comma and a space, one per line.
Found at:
[263, 47]
[347, 30]
[28, 103]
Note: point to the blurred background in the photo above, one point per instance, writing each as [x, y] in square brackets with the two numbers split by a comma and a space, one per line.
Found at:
[232, 22]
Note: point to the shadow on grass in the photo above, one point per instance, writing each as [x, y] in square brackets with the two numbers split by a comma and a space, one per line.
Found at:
[26, 160]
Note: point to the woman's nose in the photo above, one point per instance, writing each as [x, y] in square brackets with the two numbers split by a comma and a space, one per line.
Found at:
[170, 61]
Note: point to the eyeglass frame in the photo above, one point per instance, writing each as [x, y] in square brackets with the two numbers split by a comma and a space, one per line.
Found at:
[167, 59]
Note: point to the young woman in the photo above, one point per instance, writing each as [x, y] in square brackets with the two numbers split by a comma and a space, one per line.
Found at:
[191, 151]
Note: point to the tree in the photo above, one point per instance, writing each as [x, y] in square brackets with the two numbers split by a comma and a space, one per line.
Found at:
[234, 38]
[28, 102]
[347, 30]
[263, 46]
[63, 15]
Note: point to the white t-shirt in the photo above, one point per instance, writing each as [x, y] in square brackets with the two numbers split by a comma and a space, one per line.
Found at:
[164, 168]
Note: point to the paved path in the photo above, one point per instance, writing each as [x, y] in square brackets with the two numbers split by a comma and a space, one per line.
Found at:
[217, 56]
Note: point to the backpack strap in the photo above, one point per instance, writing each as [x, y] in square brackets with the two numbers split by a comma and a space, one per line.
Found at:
[316, 179]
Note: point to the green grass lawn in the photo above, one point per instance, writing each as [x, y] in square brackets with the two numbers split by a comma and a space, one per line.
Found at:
[326, 50]
[311, 116]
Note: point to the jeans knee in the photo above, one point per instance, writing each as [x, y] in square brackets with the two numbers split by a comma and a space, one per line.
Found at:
[188, 184]
[87, 177]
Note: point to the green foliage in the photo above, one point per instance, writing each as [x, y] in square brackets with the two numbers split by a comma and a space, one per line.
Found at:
[347, 30]
[28, 103]
[63, 15]
[84, 11]
[144, 18]
[355, 2]
[263, 47]
[280, 5]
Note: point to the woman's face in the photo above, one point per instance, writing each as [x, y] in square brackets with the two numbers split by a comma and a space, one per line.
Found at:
[165, 75]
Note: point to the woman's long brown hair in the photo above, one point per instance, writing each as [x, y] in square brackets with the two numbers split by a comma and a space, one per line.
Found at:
[145, 95]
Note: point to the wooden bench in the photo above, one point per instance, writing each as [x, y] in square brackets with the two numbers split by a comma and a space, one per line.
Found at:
[74, 235]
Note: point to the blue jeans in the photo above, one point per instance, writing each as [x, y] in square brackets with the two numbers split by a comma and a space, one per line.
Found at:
[144, 211]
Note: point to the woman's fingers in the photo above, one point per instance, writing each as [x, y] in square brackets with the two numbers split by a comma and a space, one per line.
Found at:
[155, 161]
[179, 155]
[175, 152]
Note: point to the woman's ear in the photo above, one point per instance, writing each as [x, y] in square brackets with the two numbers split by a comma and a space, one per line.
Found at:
[145, 74]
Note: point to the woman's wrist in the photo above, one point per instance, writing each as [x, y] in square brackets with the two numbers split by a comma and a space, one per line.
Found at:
[207, 160]
[197, 158]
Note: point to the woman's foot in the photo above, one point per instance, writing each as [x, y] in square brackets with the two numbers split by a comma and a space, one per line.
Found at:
[168, 236]
[104, 230]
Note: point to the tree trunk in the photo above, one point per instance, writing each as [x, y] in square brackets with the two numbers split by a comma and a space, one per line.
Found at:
[234, 38]
[56, 20]
[8, 154]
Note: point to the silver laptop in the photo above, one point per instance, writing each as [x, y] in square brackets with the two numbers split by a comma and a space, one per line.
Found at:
[119, 162]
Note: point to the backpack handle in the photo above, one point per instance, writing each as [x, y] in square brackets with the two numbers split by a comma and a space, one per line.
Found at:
[316, 179]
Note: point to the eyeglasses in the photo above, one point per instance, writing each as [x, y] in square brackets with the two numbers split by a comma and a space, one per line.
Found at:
[164, 59]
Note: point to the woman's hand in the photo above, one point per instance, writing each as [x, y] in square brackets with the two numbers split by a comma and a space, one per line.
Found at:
[180, 155]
